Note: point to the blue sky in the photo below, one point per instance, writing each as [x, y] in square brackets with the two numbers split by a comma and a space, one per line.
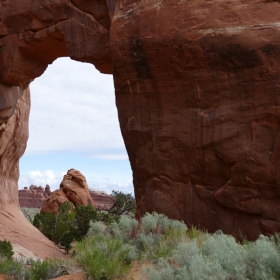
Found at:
[74, 124]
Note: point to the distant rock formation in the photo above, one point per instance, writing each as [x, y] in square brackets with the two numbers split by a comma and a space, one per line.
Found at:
[33, 197]
[73, 188]
[102, 201]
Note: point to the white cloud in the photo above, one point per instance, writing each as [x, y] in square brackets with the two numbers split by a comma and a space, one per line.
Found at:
[73, 109]
[108, 187]
[39, 178]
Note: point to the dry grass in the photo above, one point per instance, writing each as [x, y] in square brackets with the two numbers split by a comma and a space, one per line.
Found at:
[29, 213]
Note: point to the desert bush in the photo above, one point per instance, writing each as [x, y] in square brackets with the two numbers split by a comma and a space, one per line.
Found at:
[263, 259]
[162, 271]
[13, 269]
[193, 232]
[83, 215]
[125, 229]
[103, 257]
[220, 257]
[6, 249]
[227, 252]
[68, 225]
[44, 270]
[123, 203]
[155, 237]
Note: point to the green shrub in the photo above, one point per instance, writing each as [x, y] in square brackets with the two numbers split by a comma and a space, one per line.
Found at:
[44, 270]
[125, 229]
[220, 257]
[123, 204]
[96, 228]
[155, 237]
[68, 225]
[12, 268]
[83, 215]
[263, 259]
[6, 249]
[193, 232]
[103, 257]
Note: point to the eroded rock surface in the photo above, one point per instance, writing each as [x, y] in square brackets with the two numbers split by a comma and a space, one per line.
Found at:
[197, 92]
[102, 201]
[198, 97]
[32, 35]
[73, 188]
[33, 197]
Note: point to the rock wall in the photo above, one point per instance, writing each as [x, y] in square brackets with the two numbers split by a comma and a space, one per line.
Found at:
[197, 92]
[33, 197]
[32, 35]
[198, 98]
[102, 201]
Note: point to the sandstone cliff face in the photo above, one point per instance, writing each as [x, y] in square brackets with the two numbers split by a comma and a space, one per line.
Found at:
[198, 95]
[102, 201]
[73, 188]
[32, 35]
[13, 226]
[197, 92]
[33, 197]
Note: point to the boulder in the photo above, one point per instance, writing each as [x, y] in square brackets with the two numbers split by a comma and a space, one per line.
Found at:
[73, 188]
[52, 203]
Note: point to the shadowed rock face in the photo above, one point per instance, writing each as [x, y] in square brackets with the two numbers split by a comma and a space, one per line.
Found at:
[197, 92]
[198, 95]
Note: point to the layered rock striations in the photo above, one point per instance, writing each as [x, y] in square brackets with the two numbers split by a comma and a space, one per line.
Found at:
[197, 92]
[102, 201]
[33, 197]
[198, 98]
[73, 188]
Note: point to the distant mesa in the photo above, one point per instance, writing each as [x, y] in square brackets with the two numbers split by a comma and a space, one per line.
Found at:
[34, 197]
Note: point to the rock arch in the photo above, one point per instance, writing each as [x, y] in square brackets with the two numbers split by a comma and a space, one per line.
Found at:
[197, 92]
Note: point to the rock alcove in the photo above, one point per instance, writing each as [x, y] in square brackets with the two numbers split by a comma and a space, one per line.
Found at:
[197, 91]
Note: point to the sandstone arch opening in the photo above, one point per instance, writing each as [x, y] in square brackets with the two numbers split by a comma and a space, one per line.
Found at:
[197, 92]
[74, 123]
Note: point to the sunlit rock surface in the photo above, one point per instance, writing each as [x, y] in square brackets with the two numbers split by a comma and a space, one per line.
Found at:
[73, 188]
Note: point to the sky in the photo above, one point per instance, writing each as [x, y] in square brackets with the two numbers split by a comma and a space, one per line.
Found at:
[74, 124]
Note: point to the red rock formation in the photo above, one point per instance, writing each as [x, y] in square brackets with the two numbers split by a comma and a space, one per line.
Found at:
[32, 35]
[34, 197]
[102, 201]
[52, 203]
[73, 188]
[197, 92]
[198, 98]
